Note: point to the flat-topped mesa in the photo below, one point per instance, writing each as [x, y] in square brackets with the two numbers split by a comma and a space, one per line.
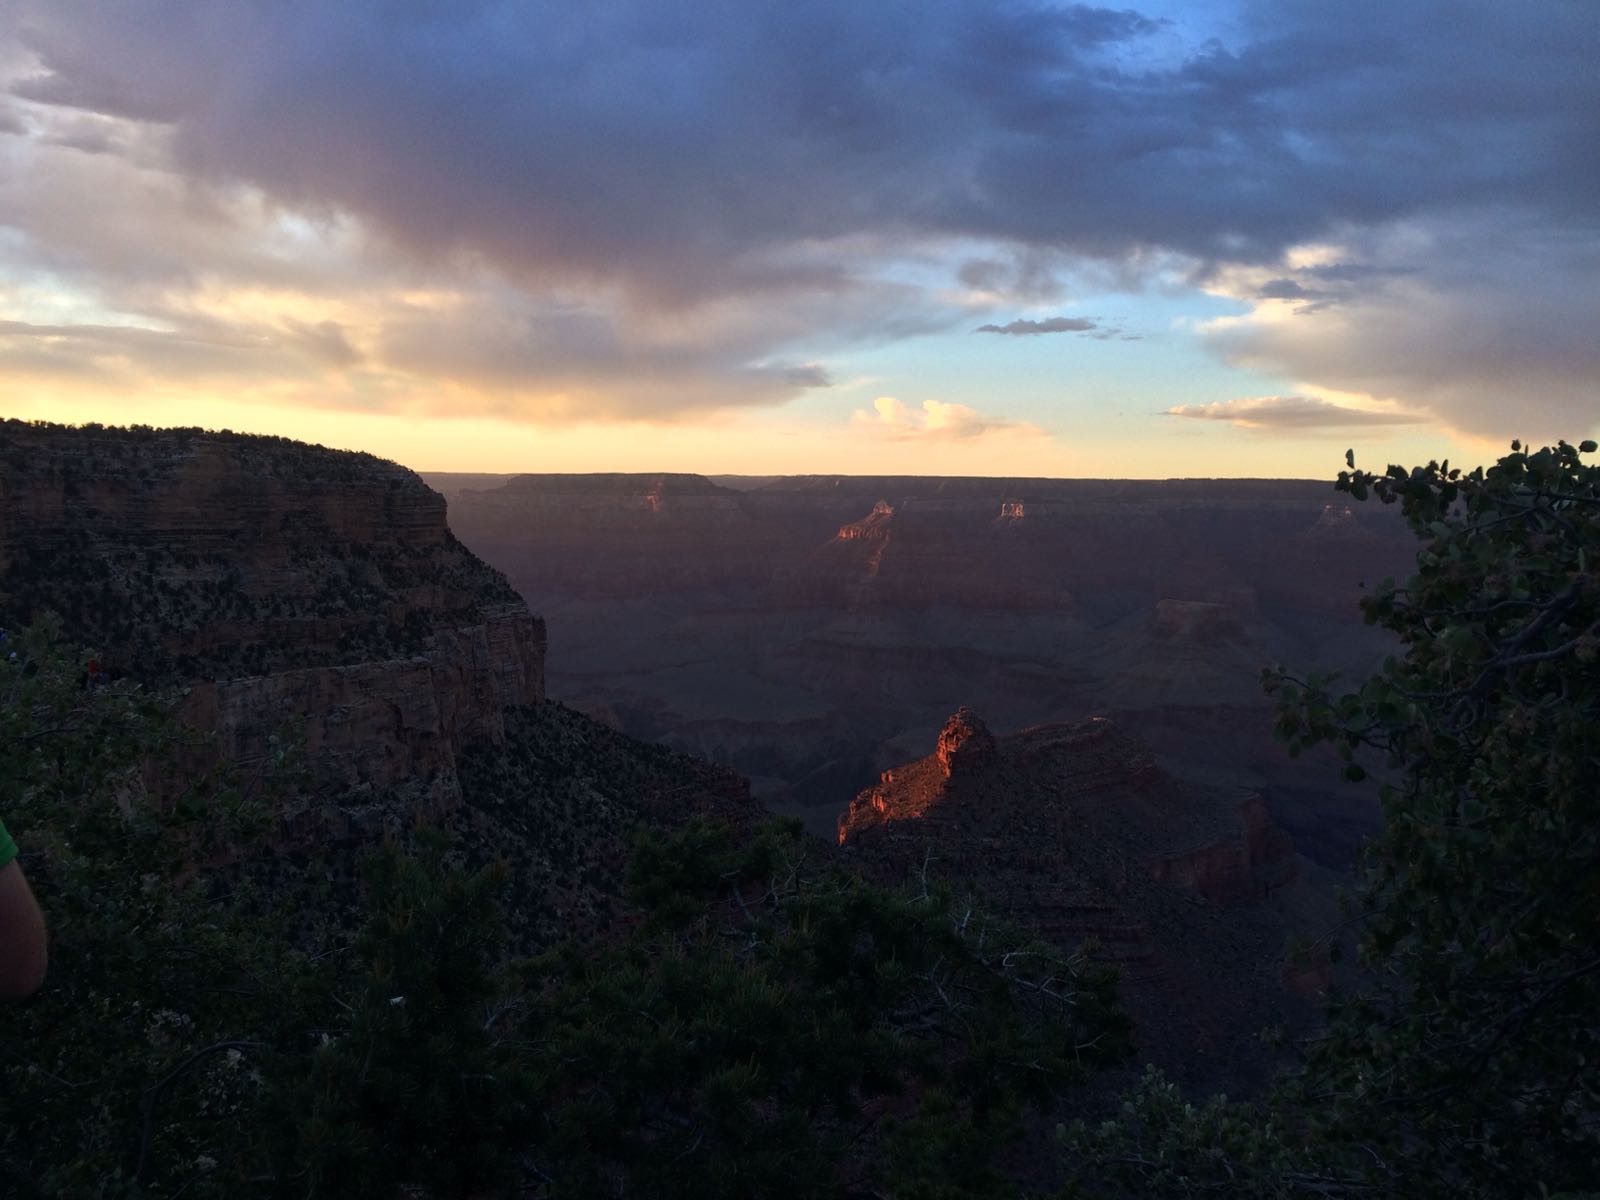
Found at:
[965, 744]
[278, 582]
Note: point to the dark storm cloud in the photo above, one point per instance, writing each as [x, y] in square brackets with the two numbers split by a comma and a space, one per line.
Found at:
[675, 145]
[1345, 272]
[679, 153]
[1025, 328]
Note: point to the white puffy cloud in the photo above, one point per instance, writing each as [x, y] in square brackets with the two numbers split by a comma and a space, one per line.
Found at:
[936, 420]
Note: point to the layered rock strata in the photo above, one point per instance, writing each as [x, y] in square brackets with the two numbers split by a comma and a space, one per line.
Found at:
[810, 631]
[285, 585]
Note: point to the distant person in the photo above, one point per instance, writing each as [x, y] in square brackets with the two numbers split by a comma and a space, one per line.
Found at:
[22, 936]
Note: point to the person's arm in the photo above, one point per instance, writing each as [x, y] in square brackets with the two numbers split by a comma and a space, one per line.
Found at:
[22, 938]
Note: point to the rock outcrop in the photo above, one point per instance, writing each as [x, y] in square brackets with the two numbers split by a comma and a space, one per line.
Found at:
[1076, 830]
[281, 583]
[874, 527]
[965, 744]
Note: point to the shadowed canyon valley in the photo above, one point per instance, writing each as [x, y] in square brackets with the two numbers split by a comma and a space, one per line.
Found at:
[813, 631]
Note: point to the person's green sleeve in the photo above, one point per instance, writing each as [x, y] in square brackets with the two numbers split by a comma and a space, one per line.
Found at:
[8, 848]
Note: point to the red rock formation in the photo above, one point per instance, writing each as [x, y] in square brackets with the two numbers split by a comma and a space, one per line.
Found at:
[874, 527]
[965, 744]
[1075, 830]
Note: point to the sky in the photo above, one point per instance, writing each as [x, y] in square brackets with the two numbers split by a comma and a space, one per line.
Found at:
[816, 236]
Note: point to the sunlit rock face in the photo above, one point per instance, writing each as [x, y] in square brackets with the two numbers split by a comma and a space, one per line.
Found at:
[283, 584]
[965, 745]
[1074, 828]
[874, 527]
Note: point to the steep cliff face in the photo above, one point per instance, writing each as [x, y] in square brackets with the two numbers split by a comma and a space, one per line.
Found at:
[1076, 830]
[280, 582]
[965, 745]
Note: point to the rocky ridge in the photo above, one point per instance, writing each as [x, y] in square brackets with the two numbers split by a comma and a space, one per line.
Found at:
[279, 583]
[1076, 830]
[307, 597]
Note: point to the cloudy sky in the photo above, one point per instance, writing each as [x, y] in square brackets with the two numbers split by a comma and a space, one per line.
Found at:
[948, 236]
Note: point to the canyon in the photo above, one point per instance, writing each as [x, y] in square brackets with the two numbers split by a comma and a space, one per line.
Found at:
[733, 646]
[812, 632]
[1110, 772]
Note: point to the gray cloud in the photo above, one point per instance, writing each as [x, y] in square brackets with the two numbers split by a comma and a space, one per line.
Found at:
[1026, 328]
[1290, 413]
[1028, 276]
[555, 362]
[1285, 289]
[671, 146]
[1499, 336]
[806, 375]
[324, 341]
[128, 355]
[677, 157]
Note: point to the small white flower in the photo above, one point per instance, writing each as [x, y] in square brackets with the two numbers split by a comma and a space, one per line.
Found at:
[395, 1000]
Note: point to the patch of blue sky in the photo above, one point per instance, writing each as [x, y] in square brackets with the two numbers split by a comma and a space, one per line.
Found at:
[1141, 358]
